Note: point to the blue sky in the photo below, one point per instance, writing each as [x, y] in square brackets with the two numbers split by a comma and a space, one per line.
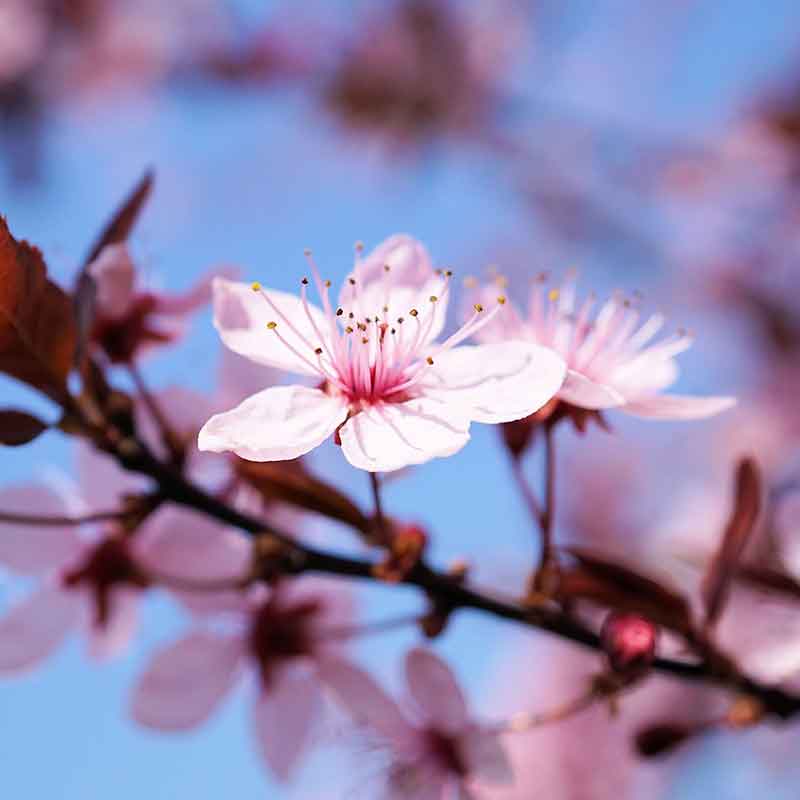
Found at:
[251, 178]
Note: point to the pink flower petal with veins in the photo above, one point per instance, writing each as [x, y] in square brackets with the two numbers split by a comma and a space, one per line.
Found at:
[392, 436]
[496, 382]
[241, 317]
[276, 424]
[186, 681]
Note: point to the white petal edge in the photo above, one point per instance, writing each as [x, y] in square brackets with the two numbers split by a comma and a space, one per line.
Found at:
[276, 424]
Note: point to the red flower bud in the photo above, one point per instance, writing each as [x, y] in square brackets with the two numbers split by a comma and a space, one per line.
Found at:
[629, 642]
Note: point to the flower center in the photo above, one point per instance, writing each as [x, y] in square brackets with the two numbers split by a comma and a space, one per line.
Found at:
[369, 355]
[106, 566]
[278, 634]
[445, 749]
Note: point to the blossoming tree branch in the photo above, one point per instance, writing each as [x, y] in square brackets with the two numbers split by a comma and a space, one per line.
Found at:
[199, 496]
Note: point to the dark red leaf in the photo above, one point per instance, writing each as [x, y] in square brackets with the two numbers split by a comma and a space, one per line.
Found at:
[19, 427]
[741, 523]
[37, 326]
[121, 224]
[619, 587]
[290, 482]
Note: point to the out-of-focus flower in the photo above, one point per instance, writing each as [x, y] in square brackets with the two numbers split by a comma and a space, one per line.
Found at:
[92, 578]
[129, 319]
[439, 752]
[392, 395]
[611, 362]
[421, 69]
[284, 636]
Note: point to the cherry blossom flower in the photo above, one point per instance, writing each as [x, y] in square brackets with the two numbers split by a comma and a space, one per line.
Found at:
[90, 578]
[389, 392]
[439, 752]
[282, 636]
[611, 359]
[23, 38]
[129, 319]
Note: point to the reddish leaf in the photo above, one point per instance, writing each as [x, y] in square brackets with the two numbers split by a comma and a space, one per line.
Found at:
[121, 224]
[621, 588]
[18, 427]
[37, 327]
[746, 506]
[290, 482]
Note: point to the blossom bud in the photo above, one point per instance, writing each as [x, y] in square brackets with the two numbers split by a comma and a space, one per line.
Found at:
[629, 642]
[406, 547]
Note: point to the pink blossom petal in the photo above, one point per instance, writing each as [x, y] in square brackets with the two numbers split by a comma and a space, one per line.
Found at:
[33, 549]
[102, 482]
[392, 436]
[188, 546]
[585, 393]
[787, 527]
[496, 382]
[435, 691]
[487, 759]
[113, 637]
[34, 628]
[284, 715]
[239, 377]
[674, 406]
[186, 681]
[185, 302]
[366, 702]
[241, 316]
[653, 376]
[277, 424]
[115, 276]
[408, 260]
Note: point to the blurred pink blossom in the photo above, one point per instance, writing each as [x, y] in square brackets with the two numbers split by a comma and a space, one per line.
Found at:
[437, 753]
[129, 319]
[389, 392]
[283, 636]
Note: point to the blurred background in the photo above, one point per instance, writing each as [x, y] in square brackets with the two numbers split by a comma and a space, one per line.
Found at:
[654, 147]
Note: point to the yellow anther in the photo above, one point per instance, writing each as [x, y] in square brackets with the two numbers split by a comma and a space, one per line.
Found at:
[339, 312]
[304, 281]
[318, 351]
[553, 295]
[433, 298]
[429, 360]
[349, 329]
[272, 325]
[307, 252]
[413, 312]
[255, 286]
[502, 300]
[478, 307]
[448, 273]
[386, 309]
[401, 320]
[365, 340]
[352, 281]
[327, 284]
[387, 268]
